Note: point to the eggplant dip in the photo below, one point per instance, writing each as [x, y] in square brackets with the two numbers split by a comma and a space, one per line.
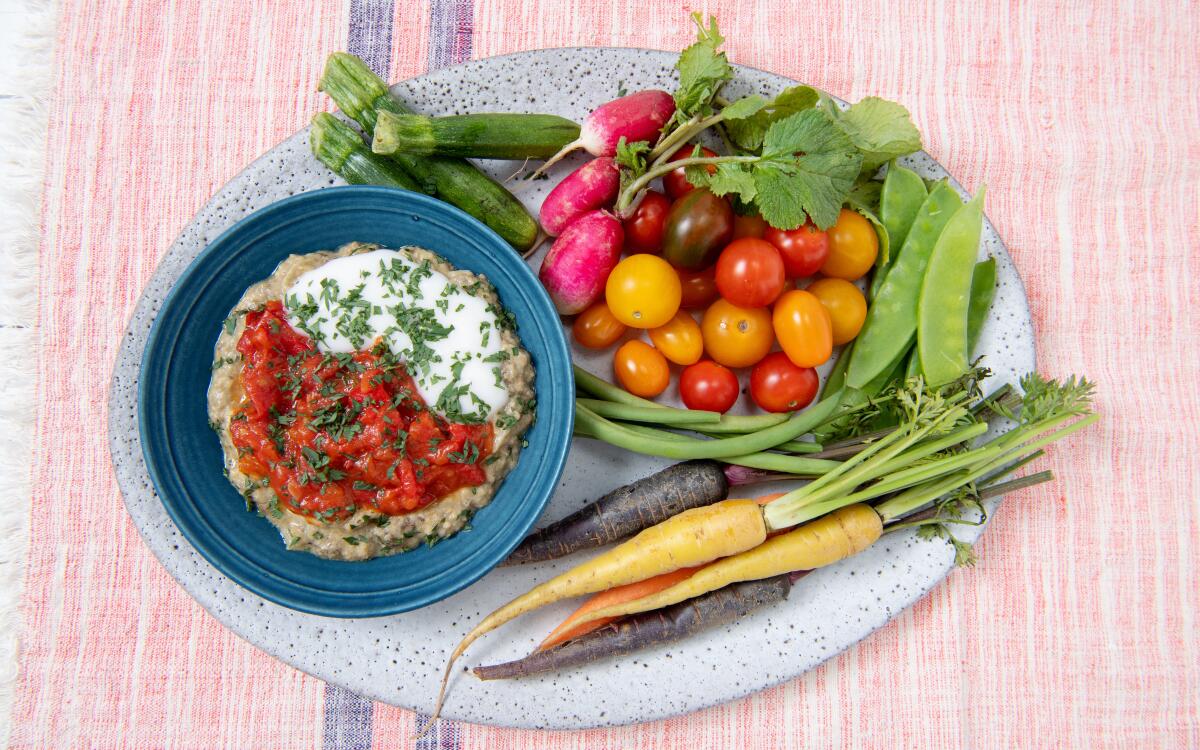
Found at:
[369, 400]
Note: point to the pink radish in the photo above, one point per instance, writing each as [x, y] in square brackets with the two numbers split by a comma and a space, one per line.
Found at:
[636, 117]
[576, 268]
[592, 186]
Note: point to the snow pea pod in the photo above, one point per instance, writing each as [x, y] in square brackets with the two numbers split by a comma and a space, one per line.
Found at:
[903, 193]
[837, 376]
[983, 289]
[892, 318]
[946, 294]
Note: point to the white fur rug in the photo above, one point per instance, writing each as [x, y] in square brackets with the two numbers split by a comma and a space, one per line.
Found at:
[26, 70]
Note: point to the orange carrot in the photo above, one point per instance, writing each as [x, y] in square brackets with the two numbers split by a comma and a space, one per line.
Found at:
[619, 595]
[768, 498]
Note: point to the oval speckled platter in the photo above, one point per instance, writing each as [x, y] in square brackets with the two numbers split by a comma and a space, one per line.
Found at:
[398, 659]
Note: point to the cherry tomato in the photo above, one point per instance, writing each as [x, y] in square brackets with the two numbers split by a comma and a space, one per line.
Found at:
[748, 226]
[596, 327]
[699, 288]
[643, 291]
[750, 273]
[644, 230]
[708, 386]
[846, 305]
[698, 226]
[641, 369]
[803, 328]
[853, 246]
[776, 384]
[736, 336]
[676, 183]
[804, 250]
[679, 339]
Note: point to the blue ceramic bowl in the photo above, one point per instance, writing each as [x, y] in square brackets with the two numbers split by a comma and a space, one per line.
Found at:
[184, 456]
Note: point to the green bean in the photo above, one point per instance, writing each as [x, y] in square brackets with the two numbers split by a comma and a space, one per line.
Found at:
[892, 318]
[599, 388]
[903, 193]
[945, 296]
[761, 460]
[754, 442]
[633, 413]
[799, 465]
[983, 289]
[799, 446]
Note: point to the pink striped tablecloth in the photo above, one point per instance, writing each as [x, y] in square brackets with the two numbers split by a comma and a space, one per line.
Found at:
[1077, 629]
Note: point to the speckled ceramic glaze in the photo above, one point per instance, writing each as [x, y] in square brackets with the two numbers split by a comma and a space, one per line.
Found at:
[398, 659]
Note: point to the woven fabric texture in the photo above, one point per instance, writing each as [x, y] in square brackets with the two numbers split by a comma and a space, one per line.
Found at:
[1078, 626]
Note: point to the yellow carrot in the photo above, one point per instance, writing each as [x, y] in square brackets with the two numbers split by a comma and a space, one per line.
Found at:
[686, 540]
[845, 532]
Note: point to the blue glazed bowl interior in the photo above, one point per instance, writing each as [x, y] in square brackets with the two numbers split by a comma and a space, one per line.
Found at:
[184, 456]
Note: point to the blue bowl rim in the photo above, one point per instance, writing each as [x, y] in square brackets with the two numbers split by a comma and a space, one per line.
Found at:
[559, 449]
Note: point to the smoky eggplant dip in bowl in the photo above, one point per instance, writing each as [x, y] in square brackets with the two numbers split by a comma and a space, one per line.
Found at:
[369, 400]
[355, 401]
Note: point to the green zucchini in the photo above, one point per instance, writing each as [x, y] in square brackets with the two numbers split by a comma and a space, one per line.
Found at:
[498, 135]
[341, 149]
[362, 95]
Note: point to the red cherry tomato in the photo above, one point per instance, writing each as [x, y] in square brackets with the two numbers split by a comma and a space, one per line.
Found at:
[777, 385]
[708, 386]
[750, 273]
[644, 230]
[699, 288]
[748, 226]
[804, 250]
[676, 183]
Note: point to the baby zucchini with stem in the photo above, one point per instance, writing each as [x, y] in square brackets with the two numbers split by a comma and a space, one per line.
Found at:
[492, 135]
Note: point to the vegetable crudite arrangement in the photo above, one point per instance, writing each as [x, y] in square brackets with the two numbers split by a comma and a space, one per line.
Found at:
[720, 246]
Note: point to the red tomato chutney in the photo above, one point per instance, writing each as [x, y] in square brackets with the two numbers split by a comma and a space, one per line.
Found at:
[334, 433]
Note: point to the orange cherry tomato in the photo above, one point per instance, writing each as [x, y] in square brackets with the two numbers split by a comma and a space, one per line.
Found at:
[641, 369]
[853, 246]
[748, 226]
[846, 305]
[643, 291]
[596, 327]
[803, 328]
[679, 339]
[736, 336]
[699, 287]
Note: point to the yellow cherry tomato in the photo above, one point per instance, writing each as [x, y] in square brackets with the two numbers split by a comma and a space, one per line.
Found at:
[643, 291]
[596, 327]
[846, 305]
[736, 336]
[803, 328]
[641, 369]
[680, 339]
[853, 246]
